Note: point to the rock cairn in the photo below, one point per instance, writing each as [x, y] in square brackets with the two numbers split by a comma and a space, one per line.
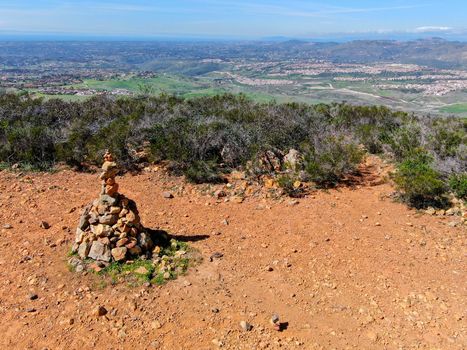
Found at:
[109, 228]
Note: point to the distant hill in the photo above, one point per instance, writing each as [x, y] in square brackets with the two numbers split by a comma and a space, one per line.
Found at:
[434, 52]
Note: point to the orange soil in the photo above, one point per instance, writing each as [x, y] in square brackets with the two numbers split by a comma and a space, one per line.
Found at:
[351, 269]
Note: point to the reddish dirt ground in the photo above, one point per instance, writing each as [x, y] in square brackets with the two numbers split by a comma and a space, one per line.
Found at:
[350, 269]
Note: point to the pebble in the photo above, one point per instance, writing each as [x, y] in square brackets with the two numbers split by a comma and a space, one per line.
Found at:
[216, 255]
[100, 311]
[156, 324]
[7, 226]
[269, 268]
[33, 296]
[373, 336]
[167, 195]
[45, 225]
[246, 326]
[217, 342]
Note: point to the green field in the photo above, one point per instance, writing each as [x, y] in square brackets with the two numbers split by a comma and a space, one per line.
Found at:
[307, 91]
[458, 108]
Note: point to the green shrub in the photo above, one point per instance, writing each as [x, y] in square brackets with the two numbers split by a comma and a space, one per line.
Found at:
[331, 158]
[203, 172]
[405, 141]
[420, 184]
[458, 185]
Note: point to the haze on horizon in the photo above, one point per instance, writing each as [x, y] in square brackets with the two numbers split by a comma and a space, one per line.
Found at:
[234, 18]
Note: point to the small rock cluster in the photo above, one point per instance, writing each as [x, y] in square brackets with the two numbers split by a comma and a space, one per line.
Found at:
[109, 228]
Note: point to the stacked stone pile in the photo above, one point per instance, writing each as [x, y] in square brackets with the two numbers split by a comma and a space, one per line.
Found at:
[109, 228]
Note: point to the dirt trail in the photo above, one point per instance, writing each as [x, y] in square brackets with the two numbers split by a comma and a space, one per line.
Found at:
[345, 269]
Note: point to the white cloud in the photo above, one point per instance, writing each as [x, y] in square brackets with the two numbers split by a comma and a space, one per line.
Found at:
[433, 29]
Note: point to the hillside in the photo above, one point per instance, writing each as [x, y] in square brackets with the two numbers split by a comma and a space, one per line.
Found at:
[347, 268]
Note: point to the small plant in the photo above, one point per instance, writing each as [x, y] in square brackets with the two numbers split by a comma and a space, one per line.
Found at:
[421, 185]
[290, 186]
[458, 185]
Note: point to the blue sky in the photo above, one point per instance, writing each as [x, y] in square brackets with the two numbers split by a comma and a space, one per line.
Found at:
[231, 18]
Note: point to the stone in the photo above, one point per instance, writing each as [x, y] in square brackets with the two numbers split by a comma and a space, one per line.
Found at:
[33, 296]
[131, 217]
[119, 254]
[45, 225]
[156, 324]
[74, 261]
[111, 190]
[219, 194]
[100, 311]
[237, 199]
[145, 241]
[102, 209]
[293, 160]
[99, 251]
[109, 165]
[79, 236]
[115, 210]
[245, 326]
[121, 242]
[101, 230]
[84, 221]
[167, 195]
[141, 270]
[74, 248]
[83, 250]
[373, 336]
[136, 250]
[216, 255]
[7, 226]
[107, 200]
[108, 219]
[104, 240]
